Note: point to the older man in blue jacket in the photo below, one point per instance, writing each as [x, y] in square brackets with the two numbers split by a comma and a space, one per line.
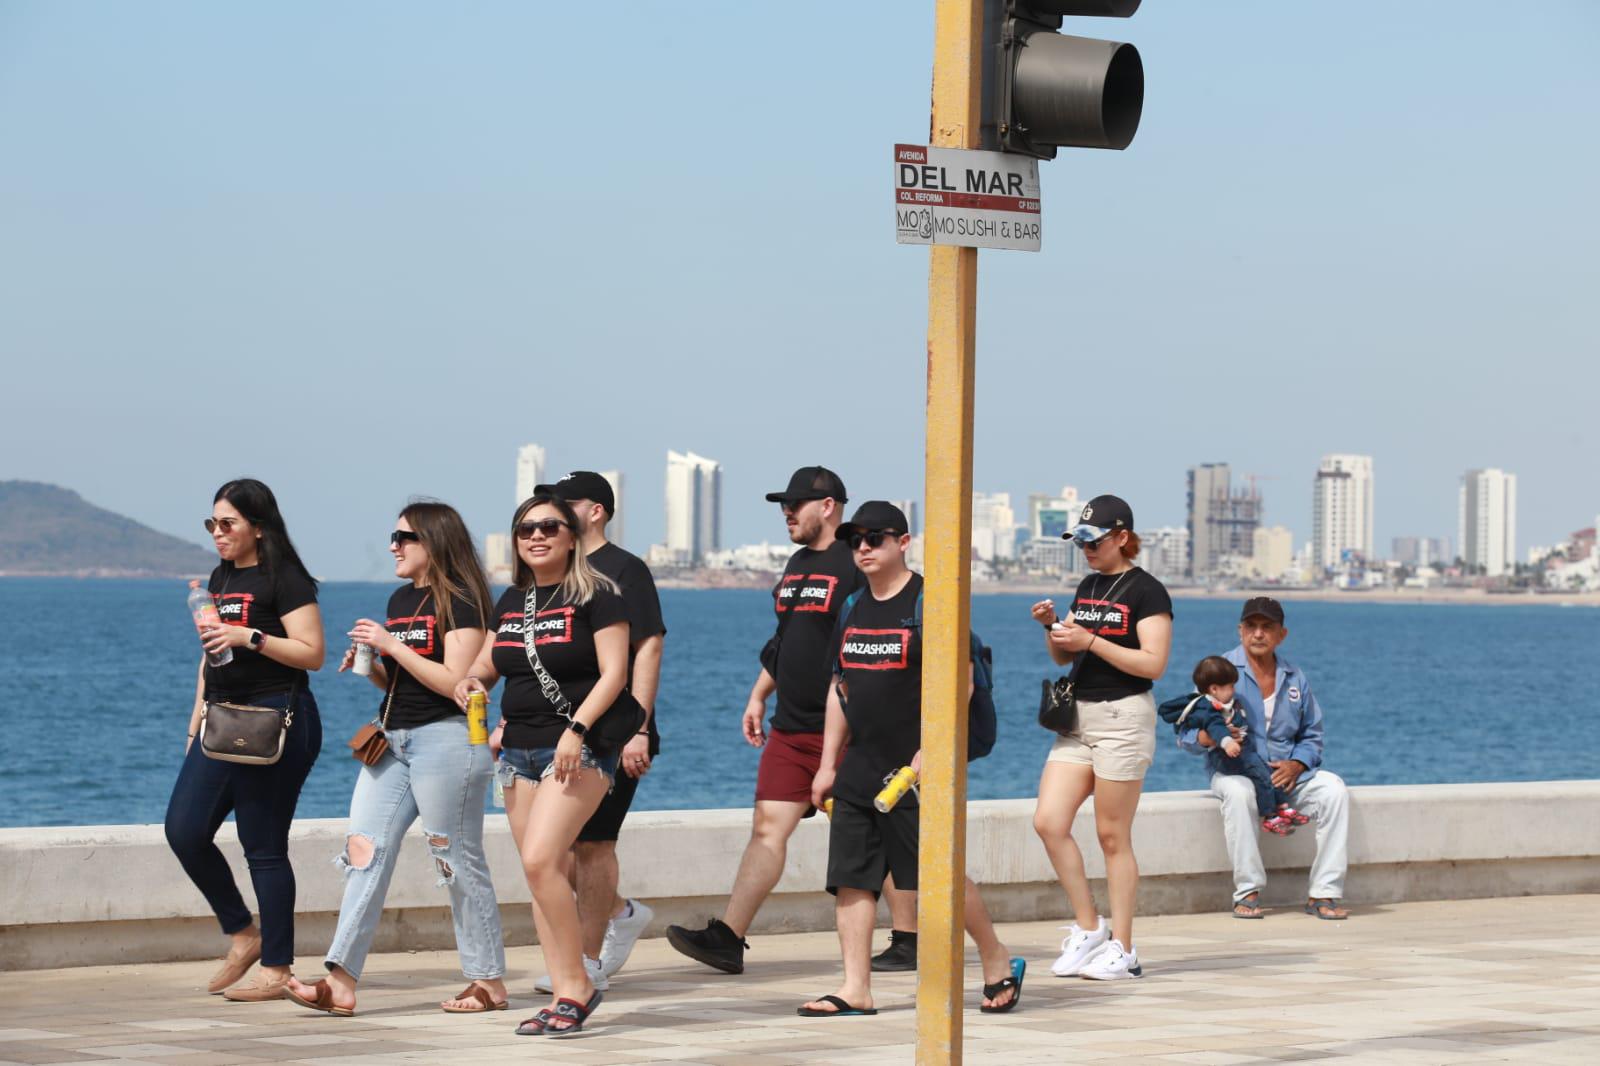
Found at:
[1285, 727]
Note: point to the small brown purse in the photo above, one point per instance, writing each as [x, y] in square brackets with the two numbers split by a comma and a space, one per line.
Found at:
[370, 741]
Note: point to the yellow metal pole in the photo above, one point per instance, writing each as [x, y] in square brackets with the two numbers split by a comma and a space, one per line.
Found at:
[952, 297]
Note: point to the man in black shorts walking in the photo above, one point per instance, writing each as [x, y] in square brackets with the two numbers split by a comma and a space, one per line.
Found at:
[794, 663]
[877, 724]
[611, 924]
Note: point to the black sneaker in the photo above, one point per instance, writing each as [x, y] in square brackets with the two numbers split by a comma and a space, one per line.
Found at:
[899, 956]
[716, 945]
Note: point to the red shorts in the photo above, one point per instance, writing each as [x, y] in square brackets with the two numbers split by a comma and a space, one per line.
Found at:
[789, 762]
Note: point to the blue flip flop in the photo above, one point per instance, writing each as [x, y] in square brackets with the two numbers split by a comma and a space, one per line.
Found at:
[1019, 967]
[841, 1009]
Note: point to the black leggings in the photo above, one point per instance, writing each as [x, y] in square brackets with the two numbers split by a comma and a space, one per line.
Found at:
[262, 800]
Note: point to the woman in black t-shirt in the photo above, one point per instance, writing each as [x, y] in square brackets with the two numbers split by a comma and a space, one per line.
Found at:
[433, 630]
[554, 778]
[1117, 635]
[267, 602]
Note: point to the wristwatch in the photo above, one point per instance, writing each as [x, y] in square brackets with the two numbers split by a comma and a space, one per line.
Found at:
[578, 727]
[258, 639]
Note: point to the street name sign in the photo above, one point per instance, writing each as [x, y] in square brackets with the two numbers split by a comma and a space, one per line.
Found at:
[967, 198]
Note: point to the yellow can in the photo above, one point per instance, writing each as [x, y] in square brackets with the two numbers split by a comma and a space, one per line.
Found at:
[478, 718]
[894, 789]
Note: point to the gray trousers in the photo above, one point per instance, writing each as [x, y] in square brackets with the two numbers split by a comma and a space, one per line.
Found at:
[1323, 796]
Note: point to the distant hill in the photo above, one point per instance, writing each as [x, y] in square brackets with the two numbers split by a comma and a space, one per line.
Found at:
[49, 530]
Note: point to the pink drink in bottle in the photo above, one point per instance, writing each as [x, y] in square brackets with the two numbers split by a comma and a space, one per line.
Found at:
[204, 610]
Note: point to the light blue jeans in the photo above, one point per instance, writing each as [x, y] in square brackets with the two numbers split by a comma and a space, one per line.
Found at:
[429, 772]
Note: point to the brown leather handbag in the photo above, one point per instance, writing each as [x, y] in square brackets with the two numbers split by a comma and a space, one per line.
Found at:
[245, 733]
[371, 740]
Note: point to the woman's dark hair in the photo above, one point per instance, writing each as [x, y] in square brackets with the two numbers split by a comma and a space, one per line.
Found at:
[1214, 670]
[259, 506]
[454, 568]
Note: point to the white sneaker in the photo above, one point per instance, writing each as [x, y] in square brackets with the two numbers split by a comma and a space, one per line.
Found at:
[597, 977]
[1078, 948]
[622, 932]
[1113, 963]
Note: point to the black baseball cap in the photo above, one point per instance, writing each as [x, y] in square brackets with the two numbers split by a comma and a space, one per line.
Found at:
[811, 483]
[582, 485]
[1265, 606]
[1101, 515]
[874, 516]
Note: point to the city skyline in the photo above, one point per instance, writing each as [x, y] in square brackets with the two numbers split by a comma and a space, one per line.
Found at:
[1331, 265]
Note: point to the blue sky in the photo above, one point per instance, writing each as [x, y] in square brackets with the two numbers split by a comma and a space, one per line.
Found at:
[363, 251]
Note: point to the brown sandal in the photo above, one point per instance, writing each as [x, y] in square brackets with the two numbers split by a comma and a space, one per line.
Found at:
[479, 994]
[323, 1002]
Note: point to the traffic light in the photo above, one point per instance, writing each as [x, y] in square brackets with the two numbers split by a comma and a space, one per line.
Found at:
[1043, 90]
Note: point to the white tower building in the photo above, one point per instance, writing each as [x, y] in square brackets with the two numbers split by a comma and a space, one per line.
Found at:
[1341, 510]
[1487, 520]
[694, 506]
[530, 470]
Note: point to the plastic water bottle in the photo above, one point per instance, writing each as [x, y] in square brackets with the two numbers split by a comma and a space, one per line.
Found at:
[204, 609]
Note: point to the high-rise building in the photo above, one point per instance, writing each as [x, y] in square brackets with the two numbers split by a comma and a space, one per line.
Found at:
[1164, 552]
[497, 557]
[694, 506]
[1273, 556]
[530, 470]
[1051, 516]
[1486, 526]
[1341, 511]
[913, 515]
[1421, 551]
[1222, 522]
[994, 526]
[614, 527]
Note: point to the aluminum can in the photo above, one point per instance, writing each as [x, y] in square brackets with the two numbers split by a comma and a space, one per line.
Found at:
[894, 789]
[363, 663]
[478, 718]
[827, 808]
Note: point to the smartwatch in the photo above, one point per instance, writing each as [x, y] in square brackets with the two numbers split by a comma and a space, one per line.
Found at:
[578, 727]
[258, 640]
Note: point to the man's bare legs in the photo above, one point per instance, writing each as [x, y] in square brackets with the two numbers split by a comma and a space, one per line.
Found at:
[773, 823]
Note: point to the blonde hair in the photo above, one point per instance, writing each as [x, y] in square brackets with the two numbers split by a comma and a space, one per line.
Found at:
[581, 580]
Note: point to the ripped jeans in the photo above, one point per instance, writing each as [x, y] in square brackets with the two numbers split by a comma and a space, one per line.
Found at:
[430, 773]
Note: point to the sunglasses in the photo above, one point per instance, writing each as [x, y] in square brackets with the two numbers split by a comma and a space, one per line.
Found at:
[793, 506]
[228, 524]
[547, 527]
[1086, 545]
[404, 536]
[873, 539]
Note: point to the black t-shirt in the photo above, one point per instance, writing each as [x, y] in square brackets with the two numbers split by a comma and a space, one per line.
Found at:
[565, 641]
[1112, 606]
[878, 652]
[638, 588]
[249, 597]
[807, 600]
[414, 619]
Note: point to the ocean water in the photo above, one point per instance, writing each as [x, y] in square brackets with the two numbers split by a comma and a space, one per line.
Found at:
[97, 681]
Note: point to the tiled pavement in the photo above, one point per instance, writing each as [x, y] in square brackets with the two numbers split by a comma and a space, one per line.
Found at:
[1475, 981]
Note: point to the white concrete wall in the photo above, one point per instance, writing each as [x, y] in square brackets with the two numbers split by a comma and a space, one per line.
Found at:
[115, 893]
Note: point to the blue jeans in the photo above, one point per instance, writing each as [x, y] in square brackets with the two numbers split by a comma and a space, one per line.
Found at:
[262, 800]
[431, 772]
[536, 764]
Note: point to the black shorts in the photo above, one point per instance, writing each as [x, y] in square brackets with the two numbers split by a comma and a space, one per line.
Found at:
[606, 822]
[865, 846]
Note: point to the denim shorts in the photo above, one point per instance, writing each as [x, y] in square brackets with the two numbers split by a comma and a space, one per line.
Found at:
[536, 764]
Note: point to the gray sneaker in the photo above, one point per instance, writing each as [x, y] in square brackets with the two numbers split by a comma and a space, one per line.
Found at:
[622, 933]
[597, 977]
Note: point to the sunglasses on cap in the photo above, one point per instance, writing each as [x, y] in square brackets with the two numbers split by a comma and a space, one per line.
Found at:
[547, 527]
[227, 524]
[404, 536]
[873, 539]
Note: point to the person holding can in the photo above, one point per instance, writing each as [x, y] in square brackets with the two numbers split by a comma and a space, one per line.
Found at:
[561, 643]
[268, 624]
[432, 769]
[1117, 635]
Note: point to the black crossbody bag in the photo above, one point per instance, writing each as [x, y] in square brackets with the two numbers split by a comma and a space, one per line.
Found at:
[244, 732]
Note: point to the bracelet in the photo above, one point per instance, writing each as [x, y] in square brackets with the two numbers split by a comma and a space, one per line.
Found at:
[1092, 638]
[192, 736]
[642, 733]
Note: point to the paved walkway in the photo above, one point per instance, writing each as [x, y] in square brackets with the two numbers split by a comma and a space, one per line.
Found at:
[1476, 981]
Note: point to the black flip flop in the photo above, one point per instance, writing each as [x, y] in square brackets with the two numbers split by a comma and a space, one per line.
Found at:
[1253, 900]
[569, 1010]
[1019, 967]
[841, 1009]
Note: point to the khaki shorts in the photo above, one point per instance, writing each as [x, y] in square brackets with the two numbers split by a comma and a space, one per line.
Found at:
[1116, 737]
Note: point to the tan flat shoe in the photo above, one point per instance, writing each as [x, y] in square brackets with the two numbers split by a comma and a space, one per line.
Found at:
[260, 990]
[234, 967]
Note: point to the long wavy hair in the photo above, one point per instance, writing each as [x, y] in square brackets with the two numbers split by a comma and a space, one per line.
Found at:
[455, 569]
[581, 580]
[275, 553]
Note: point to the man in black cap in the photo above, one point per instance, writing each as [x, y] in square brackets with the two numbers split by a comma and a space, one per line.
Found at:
[1284, 725]
[794, 664]
[611, 924]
